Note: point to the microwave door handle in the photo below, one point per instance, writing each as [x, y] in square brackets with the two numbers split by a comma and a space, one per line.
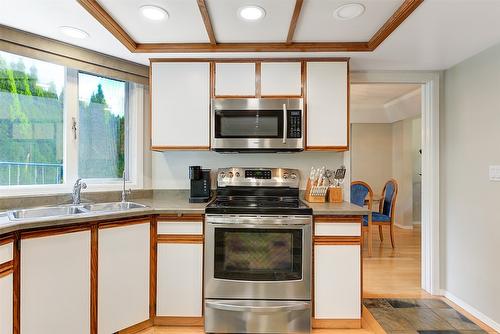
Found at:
[285, 121]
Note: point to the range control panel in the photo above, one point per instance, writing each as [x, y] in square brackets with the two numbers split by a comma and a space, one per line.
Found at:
[258, 177]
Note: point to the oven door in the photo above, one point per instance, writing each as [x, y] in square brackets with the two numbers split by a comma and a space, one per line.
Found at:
[249, 257]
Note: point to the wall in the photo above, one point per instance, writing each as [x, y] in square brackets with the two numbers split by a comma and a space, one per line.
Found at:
[371, 156]
[469, 208]
[170, 169]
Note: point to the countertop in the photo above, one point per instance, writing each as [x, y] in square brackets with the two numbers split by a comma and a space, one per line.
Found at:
[159, 202]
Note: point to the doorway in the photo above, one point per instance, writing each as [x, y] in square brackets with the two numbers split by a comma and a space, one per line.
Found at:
[429, 230]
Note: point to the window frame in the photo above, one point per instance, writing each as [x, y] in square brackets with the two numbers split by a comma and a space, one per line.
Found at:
[134, 142]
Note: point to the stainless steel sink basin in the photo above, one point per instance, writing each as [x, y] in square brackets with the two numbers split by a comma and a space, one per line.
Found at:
[113, 206]
[44, 212]
[71, 210]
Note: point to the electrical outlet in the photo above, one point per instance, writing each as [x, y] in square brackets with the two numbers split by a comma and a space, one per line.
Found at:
[495, 173]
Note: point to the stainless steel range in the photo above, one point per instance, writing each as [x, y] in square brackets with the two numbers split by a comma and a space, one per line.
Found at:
[258, 253]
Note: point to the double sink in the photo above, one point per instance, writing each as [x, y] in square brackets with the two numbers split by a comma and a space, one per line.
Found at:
[71, 210]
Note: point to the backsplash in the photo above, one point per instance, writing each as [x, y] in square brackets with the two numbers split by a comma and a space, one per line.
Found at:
[170, 169]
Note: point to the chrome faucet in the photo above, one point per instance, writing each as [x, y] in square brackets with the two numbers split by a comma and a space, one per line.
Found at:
[125, 192]
[77, 188]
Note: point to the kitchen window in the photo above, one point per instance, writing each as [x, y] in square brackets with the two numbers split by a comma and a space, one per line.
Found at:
[58, 124]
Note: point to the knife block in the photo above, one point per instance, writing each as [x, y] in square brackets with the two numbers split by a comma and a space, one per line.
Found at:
[335, 195]
[313, 198]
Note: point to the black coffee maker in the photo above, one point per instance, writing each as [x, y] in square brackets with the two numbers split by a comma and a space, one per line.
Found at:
[200, 184]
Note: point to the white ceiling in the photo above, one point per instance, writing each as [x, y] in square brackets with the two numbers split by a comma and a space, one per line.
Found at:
[316, 22]
[438, 35]
[184, 23]
[384, 103]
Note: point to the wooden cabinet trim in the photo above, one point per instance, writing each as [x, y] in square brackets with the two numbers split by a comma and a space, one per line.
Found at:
[336, 323]
[333, 240]
[153, 267]
[337, 219]
[6, 268]
[94, 253]
[51, 231]
[180, 239]
[6, 239]
[180, 218]
[123, 223]
[178, 321]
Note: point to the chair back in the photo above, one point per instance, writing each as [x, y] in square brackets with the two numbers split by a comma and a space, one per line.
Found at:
[359, 191]
[388, 201]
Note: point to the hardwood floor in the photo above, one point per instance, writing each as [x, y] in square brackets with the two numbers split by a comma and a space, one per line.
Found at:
[393, 272]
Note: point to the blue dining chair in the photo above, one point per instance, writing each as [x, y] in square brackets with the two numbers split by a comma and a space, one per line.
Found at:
[360, 191]
[386, 210]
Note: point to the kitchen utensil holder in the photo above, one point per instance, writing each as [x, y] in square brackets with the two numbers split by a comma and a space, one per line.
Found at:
[335, 195]
[311, 191]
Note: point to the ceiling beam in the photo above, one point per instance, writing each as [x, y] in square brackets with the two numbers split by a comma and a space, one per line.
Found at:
[252, 47]
[393, 22]
[202, 5]
[294, 20]
[96, 10]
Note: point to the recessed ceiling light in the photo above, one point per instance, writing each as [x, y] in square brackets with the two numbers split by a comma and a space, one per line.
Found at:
[251, 13]
[349, 11]
[74, 32]
[154, 13]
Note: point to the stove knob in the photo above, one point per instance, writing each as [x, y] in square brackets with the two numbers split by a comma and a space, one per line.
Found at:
[230, 174]
[222, 175]
[237, 174]
[293, 176]
[285, 176]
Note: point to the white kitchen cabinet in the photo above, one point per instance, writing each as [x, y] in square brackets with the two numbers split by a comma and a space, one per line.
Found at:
[281, 79]
[6, 304]
[337, 282]
[235, 79]
[180, 105]
[180, 280]
[55, 284]
[123, 276]
[327, 105]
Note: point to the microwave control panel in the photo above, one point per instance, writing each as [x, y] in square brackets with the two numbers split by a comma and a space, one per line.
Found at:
[294, 124]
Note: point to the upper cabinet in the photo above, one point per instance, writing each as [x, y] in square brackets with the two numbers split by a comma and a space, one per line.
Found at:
[235, 79]
[180, 105]
[327, 106]
[281, 79]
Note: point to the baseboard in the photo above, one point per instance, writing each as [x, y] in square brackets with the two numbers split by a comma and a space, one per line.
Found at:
[137, 327]
[178, 321]
[336, 323]
[405, 227]
[472, 310]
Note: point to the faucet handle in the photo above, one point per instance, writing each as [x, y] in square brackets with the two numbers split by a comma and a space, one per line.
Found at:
[83, 185]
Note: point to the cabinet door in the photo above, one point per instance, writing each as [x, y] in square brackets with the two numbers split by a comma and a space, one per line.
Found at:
[281, 79]
[6, 304]
[180, 280]
[123, 277]
[337, 282]
[327, 106]
[180, 105]
[55, 284]
[235, 79]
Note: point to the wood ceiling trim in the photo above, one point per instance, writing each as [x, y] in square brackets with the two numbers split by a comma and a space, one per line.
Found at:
[401, 14]
[394, 22]
[293, 22]
[202, 5]
[96, 10]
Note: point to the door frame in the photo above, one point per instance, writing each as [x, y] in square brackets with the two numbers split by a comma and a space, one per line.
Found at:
[430, 81]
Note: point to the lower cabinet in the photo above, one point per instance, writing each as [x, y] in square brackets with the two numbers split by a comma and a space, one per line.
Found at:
[337, 282]
[180, 279]
[55, 284]
[123, 276]
[180, 270]
[6, 303]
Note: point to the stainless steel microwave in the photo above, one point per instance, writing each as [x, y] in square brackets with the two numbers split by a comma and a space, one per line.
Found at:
[257, 125]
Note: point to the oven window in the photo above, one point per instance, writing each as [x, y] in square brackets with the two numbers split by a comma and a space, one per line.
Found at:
[249, 124]
[258, 254]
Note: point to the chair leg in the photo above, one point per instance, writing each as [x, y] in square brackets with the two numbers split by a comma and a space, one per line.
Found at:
[393, 242]
[381, 235]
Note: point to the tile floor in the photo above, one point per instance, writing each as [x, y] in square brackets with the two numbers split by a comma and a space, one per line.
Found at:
[423, 316]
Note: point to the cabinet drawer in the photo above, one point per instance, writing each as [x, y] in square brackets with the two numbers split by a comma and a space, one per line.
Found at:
[338, 229]
[181, 227]
[6, 252]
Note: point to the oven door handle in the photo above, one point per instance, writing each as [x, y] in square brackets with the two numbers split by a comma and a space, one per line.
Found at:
[285, 123]
[256, 309]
